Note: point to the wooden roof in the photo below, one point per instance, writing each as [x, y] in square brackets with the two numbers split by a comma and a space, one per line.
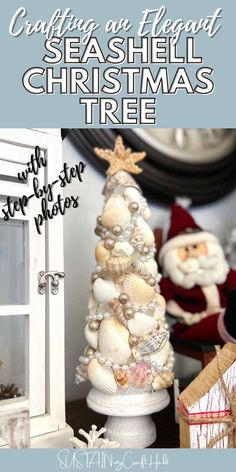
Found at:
[208, 376]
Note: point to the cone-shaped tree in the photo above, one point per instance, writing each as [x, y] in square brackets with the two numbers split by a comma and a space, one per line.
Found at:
[128, 339]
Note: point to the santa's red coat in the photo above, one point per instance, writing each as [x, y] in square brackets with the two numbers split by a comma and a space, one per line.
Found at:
[194, 301]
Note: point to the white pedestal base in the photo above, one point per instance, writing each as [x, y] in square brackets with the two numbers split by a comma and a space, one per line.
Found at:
[129, 421]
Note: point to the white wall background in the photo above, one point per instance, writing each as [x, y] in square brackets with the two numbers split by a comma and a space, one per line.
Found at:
[80, 242]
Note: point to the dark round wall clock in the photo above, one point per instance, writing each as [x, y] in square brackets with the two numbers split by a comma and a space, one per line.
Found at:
[196, 163]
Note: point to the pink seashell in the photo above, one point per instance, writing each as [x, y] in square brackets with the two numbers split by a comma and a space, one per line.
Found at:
[140, 376]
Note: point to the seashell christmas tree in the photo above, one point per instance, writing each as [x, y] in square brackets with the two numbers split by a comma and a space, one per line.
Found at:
[128, 339]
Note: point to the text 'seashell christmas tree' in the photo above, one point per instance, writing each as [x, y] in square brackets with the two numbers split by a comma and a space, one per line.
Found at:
[128, 340]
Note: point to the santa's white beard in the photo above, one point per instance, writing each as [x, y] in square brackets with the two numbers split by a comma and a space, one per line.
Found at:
[203, 270]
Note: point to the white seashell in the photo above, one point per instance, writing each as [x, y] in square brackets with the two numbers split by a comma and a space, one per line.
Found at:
[91, 337]
[113, 341]
[104, 290]
[141, 324]
[101, 377]
[101, 253]
[146, 214]
[151, 344]
[118, 264]
[137, 289]
[146, 230]
[122, 248]
[161, 356]
[115, 212]
[131, 194]
[151, 267]
[160, 307]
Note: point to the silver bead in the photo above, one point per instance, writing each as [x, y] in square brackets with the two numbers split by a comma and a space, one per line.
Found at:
[117, 230]
[151, 281]
[115, 367]
[129, 313]
[94, 325]
[133, 340]
[123, 298]
[109, 243]
[133, 207]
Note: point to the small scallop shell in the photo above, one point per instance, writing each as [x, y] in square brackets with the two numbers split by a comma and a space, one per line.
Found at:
[101, 377]
[113, 341]
[115, 212]
[122, 378]
[118, 264]
[142, 324]
[104, 290]
[121, 248]
[146, 230]
[101, 253]
[117, 310]
[131, 194]
[137, 239]
[138, 291]
[160, 307]
[151, 344]
[91, 337]
[162, 380]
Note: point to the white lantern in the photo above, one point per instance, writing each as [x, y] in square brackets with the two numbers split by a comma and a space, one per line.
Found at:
[31, 300]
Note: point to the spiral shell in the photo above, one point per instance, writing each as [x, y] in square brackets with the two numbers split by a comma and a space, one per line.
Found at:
[117, 310]
[104, 290]
[141, 324]
[137, 289]
[101, 377]
[115, 212]
[119, 179]
[118, 264]
[150, 344]
[137, 239]
[91, 337]
[162, 380]
[113, 341]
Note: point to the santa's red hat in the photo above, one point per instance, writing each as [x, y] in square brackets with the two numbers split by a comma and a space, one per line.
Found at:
[183, 231]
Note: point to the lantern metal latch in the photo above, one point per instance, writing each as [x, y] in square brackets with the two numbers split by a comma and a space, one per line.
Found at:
[55, 276]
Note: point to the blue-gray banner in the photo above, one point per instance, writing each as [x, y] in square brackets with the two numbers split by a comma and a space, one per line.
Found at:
[116, 64]
[117, 460]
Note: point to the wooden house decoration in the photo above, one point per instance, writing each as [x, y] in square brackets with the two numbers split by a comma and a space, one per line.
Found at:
[207, 407]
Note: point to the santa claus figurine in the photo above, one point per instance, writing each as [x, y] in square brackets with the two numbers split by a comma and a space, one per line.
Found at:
[197, 282]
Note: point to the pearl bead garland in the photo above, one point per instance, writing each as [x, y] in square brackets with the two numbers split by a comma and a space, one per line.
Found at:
[115, 367]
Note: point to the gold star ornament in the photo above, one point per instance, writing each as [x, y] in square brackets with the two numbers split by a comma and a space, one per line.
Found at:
[121, 158]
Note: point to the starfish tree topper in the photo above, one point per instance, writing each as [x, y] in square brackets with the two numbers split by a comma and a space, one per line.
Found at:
[121, 158]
